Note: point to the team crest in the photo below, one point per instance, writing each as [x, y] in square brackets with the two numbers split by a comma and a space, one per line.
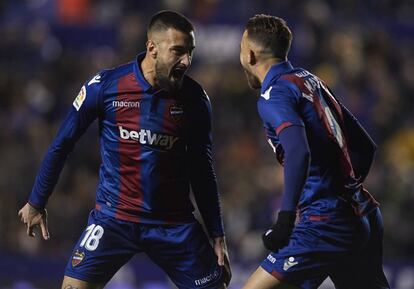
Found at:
[176, 112]
[77, 258]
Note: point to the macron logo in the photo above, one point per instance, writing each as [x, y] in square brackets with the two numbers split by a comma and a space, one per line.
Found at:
[145, 136]
[128, 104]
[207, 278]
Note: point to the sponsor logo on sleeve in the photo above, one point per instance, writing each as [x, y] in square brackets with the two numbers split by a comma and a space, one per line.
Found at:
[77, 103]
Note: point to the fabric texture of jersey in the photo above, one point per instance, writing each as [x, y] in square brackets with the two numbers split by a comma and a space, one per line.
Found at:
[154, 147]
[294, 97]
[181, 250]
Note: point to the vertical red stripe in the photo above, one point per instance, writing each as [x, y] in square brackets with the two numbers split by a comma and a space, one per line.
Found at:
[130, 185]
[345, 160]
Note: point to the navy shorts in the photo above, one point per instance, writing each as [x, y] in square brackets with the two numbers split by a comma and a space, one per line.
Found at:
[182, 251]
[348, 250]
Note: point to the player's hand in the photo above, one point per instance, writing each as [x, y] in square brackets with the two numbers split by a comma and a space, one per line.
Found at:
[220, 248]
[33, 218]
[278, 236]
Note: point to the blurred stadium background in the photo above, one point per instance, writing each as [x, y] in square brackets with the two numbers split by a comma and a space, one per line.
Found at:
[48, 48]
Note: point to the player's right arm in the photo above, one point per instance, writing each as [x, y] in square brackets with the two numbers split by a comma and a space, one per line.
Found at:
[84, 111]
[280, 114]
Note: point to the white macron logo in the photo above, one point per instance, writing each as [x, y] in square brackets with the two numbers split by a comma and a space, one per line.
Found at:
[207, 278]
[289, 263]
[145, 136]
[117, 103]
[266, 94]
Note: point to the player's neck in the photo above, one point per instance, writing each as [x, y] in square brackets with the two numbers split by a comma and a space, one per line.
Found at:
[264, 67]
[148, 70]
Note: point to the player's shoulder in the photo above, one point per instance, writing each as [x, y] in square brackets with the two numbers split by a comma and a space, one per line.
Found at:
[279, 90]
[297, 77]
[292, 77]
[193, 89]
[289, 83]
[117, 72]
[108, 76]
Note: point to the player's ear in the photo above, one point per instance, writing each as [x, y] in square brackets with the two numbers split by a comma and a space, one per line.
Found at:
[152, 50]
[252, 59]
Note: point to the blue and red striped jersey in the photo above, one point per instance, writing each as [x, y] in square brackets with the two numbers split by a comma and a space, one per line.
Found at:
[154, 148]
[340, 150]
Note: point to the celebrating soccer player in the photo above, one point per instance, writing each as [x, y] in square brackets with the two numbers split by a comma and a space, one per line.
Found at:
[155, 143]
[328, 224]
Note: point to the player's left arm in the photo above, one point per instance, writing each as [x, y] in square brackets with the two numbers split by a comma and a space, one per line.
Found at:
[203, 178]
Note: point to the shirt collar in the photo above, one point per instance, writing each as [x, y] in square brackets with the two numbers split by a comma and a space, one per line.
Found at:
[138, 72]
[275, 72]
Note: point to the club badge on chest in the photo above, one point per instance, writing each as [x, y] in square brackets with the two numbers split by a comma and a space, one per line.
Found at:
[176, 112]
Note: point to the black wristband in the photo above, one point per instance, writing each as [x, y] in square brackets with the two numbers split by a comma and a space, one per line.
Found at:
[278, 236]
[286, 218]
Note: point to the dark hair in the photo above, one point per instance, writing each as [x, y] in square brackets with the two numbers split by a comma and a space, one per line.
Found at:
[169, 19]
[271, 32]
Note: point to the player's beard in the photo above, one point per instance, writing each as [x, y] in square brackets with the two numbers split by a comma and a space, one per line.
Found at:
[164, 78]
[252, 80]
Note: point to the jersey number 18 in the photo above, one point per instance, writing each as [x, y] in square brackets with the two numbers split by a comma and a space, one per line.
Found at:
[92, 236]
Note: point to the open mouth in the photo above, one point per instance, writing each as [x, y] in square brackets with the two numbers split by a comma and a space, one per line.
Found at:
[178, 73]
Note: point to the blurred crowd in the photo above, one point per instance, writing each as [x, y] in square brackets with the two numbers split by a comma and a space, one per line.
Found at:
[49, 48]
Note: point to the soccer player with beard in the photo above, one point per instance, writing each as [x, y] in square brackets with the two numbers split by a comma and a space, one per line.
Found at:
[326, 156]
[155, 142]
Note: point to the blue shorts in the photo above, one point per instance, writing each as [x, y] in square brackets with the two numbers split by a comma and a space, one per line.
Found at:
[182, 251]
[348, 250]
